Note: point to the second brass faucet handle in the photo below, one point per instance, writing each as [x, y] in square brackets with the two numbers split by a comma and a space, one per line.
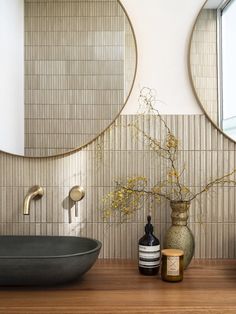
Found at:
[77, 193]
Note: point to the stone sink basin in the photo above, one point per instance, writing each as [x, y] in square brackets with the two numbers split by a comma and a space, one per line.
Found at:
[43, 260]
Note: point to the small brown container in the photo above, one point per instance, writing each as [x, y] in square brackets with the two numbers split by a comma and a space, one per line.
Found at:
[172, 267]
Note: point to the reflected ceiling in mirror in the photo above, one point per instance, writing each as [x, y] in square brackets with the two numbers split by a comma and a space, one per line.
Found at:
[212, 63]
[79, 68]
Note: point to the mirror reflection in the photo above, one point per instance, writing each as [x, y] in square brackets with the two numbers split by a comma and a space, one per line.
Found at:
[67, 68]
[213, 62]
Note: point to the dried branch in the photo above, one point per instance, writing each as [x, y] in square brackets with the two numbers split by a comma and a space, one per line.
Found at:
[126, 198]
[217, 181]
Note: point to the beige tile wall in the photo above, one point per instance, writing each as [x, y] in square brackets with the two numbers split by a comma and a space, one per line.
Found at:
[118, 154]
[204, 61]
[130, 57]
[74, 71]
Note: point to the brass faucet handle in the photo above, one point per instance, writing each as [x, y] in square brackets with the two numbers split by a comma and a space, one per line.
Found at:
[77, 193]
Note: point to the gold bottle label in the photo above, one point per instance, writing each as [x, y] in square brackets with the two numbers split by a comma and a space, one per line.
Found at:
[172, 265]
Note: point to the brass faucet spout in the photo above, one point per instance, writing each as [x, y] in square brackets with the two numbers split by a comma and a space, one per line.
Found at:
[34, 192]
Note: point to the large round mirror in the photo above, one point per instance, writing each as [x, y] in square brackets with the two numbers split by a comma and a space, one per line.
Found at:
[67, 69]
[212, 63]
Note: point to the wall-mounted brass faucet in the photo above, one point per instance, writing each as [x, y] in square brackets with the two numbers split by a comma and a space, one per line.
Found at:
[34, 192]
[76, 194]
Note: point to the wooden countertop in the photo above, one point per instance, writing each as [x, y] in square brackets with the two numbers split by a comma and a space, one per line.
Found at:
[117, 287]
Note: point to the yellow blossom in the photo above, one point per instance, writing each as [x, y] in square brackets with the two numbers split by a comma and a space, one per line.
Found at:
[126, 210]
[156, 189]
[107, 213]
[184, 189]
[172, 142]
[173, 173]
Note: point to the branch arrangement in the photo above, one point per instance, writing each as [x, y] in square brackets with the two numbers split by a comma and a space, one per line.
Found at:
[128, 196]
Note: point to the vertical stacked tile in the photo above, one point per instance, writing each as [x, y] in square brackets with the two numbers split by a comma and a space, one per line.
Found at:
[118, 154]
[74, 71]
[204, 61]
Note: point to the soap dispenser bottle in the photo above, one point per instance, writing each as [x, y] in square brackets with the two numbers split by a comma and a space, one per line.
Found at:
[149, 251]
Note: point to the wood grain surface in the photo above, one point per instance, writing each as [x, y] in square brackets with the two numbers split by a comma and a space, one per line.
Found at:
[115, 286]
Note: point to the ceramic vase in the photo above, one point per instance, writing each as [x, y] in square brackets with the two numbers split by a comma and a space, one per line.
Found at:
[179, 236]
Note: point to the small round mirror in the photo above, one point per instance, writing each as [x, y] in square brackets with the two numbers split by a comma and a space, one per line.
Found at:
[212, 63]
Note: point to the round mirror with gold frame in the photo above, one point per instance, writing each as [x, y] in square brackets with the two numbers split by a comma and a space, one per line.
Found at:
[70, 68]
[212, 63]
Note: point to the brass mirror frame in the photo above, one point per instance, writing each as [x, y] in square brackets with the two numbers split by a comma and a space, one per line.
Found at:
[192, 82]
[69, 152]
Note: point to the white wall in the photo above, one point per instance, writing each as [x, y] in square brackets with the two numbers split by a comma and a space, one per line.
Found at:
[12, 76]
[163, 29]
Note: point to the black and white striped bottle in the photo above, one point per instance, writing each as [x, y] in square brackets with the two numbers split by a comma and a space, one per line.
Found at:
[149, 251]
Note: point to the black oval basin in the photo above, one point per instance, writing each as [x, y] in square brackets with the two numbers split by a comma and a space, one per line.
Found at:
[43, 260]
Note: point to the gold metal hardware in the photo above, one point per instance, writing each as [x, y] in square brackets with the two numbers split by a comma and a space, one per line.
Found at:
[77, 193]
[36, 192]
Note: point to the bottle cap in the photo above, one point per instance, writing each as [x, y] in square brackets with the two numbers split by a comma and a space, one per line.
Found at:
[172, 252]
[149, 226]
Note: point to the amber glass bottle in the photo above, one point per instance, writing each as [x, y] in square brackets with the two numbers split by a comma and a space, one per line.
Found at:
[172, 267]
[149, 252]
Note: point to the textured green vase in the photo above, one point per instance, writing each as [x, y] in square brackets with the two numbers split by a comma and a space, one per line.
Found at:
[179, 236]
